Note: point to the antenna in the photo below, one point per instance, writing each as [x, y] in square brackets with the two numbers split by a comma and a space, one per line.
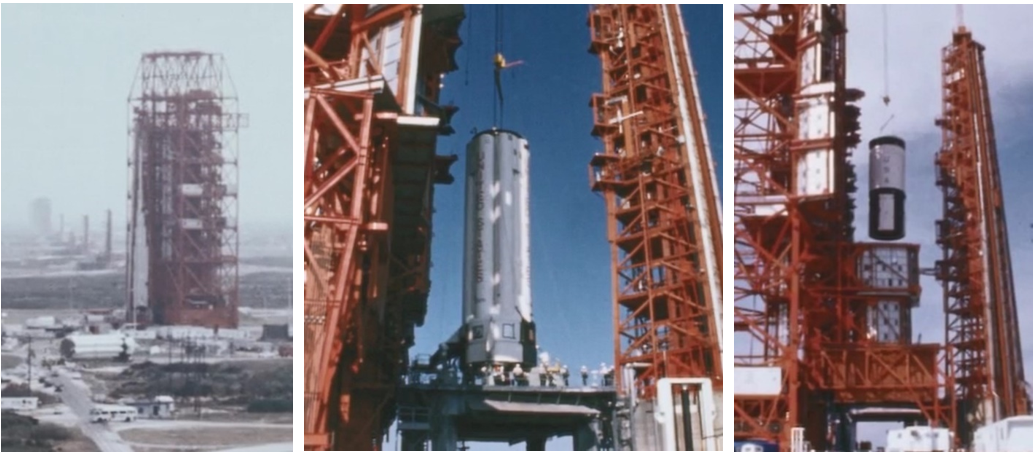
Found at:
[960, 16]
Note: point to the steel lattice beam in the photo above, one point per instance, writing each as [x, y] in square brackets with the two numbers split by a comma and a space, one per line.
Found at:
[371, 122]
[657, 179]
[183, 233]
[978, 284]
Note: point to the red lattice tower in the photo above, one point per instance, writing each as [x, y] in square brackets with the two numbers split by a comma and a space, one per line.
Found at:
[183, 233]
[659, 187]
[812, 312]
[372, 78]
[986, 359]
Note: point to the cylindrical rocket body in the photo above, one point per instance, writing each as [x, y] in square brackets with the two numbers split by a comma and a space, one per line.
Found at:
[887, 188]
[497, 291]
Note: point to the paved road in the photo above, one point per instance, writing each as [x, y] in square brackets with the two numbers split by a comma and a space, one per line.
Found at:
[77, 397]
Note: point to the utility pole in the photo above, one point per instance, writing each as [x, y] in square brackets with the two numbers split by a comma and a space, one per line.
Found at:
[29, 360]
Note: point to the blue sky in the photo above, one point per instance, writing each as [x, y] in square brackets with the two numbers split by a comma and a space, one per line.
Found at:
[67, 71]
[547, 102]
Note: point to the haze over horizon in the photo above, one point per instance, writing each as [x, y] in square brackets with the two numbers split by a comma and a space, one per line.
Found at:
[68, 142]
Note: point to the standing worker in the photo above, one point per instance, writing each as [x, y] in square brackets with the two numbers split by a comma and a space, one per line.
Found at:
[585, 373]
[516, 374]
[564, 374]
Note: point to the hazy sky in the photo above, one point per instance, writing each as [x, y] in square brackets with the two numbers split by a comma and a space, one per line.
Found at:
[917, 35]
[67, 72]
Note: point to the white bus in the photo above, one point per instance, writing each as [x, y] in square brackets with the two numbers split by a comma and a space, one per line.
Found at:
[112, 413]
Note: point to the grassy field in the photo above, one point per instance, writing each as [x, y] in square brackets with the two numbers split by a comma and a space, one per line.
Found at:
[22, 433]
[202, 437]
[264, 289]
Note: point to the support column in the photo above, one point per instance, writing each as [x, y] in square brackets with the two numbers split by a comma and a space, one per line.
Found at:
[413, 441]
[536, 444]
[585, 437]
[444, 434]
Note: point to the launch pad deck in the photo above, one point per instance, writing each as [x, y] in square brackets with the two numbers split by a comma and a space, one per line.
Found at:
[469, 413]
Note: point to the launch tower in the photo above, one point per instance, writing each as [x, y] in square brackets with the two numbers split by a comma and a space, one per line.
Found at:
[182, 238]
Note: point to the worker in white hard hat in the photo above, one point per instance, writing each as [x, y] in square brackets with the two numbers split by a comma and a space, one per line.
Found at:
[585, 373]
[564, 374]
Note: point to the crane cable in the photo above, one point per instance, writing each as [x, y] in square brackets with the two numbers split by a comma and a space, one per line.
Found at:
[498, 65]
[885, 45]
[885, 38]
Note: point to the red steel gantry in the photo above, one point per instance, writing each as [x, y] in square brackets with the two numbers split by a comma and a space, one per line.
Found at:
[658, 182]
[986, 359]
[372, 81]
[182, 231]
[822, 323]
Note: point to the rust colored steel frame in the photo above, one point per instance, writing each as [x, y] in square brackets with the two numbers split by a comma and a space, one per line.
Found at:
[367, 216]
[183, 172]
[664, 315]
[800, 304]
[978, 283]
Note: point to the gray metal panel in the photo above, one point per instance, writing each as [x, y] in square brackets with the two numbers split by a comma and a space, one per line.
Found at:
[887, 167]
[525, 407]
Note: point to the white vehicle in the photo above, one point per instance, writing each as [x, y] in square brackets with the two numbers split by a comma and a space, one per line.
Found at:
[112, 413]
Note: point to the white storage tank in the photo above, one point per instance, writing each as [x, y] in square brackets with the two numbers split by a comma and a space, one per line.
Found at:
[887, 188]
[97, 346]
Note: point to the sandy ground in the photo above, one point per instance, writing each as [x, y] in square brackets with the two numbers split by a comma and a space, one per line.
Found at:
[203, 438]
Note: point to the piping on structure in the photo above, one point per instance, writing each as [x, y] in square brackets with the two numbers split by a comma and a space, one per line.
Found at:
[822, 323]
[372, 79]
[182, 232]
[986, 358]
[656, 176]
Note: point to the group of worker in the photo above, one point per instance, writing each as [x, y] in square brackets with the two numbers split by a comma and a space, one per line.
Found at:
[549, 375]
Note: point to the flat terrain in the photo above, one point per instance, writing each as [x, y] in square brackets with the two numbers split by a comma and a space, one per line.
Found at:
[260, 286]
[203, 438]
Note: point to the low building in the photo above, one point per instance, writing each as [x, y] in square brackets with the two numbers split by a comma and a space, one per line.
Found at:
[275, 333]
[19, 403]
[158, 408]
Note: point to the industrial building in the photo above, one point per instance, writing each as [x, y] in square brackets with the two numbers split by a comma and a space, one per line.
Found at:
[825, 320]
[160, 407]
[182, 239]
[373, 76]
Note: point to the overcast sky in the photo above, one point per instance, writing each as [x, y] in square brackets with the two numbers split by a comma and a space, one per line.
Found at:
[916, 37]
[67, 72]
